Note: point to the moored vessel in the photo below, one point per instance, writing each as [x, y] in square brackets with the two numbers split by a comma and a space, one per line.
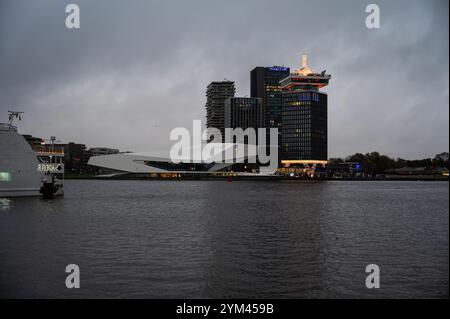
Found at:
[25, 171]
[18, 163]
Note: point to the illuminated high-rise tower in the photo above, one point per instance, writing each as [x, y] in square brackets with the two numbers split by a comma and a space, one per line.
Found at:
[304, 117]
[265, 84]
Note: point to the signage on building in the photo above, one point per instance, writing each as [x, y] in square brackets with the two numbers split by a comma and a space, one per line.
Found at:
[278, 68]
[50, 168]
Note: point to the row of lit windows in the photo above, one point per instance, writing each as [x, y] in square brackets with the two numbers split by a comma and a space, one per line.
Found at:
[294, 123]
[294, 128]
[303, 96]
[290, 133]
[304, 151]
[296, 138]
[297, 103]
[297, 122]
[297, 110]
[296, 115]
[303, 126]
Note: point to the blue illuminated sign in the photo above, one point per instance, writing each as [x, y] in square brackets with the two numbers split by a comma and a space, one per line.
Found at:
[278, 68]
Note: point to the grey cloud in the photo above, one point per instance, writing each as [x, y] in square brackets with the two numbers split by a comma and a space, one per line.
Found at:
[137, 69]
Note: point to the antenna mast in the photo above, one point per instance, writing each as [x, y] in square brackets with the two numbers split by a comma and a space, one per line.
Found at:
[14, 115]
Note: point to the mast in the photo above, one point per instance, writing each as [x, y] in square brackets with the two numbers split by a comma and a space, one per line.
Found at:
[304, 63]
[12, 115]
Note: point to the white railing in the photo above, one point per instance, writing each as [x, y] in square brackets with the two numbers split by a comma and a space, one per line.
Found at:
[7, 127]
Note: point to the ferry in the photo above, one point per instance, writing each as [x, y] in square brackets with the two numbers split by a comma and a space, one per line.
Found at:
[25, 171]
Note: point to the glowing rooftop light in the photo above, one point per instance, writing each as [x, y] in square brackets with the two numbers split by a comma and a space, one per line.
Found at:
[304, 70]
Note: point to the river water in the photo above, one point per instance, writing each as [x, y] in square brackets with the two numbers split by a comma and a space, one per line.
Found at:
[219, 239]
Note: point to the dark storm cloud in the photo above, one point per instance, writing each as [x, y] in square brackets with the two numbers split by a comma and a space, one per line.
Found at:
[137, 69]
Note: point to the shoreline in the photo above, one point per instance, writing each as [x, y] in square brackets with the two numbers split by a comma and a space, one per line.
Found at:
[260, 178]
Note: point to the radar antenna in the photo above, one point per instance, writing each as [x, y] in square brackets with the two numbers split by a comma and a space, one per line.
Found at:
[14, 115]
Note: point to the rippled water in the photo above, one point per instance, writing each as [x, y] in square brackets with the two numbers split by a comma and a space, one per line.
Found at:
[215, 239]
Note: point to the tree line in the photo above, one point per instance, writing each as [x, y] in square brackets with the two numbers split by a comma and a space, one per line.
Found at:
[375, 163]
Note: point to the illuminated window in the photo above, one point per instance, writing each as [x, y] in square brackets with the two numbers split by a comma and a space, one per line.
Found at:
[5, 177]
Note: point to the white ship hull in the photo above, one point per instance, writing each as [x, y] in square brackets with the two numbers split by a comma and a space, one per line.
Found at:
[18, 165]
[18, 192]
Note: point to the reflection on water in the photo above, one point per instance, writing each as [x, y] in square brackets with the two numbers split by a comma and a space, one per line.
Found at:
[205, 239]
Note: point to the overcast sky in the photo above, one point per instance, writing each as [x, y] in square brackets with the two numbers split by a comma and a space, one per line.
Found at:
[137, 69]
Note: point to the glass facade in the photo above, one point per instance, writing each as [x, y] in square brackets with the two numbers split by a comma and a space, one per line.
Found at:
[180, 167]
[304, 129]
[243, 112]
[265, 84]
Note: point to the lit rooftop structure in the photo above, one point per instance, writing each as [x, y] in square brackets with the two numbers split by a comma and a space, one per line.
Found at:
[305, 78]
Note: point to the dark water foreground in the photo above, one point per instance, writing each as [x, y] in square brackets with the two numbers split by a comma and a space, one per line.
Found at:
[203, 239]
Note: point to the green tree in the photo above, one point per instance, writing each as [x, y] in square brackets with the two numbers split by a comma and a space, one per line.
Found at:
[441, 160]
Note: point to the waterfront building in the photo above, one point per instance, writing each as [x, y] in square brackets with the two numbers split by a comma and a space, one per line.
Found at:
[77, 157]
[265, 84]
[243, 112]
[304, 117]
[35, 142]
[160, 164]
[100, 151]
[216, 94]
[97, 151]
[344, 170]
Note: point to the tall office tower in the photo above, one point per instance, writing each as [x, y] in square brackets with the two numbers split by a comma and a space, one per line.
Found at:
[243, 112]
[265, 84]
[216, 94]
[304, 117]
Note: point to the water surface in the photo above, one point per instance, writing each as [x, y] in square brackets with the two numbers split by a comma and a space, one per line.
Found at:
[215, 239]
